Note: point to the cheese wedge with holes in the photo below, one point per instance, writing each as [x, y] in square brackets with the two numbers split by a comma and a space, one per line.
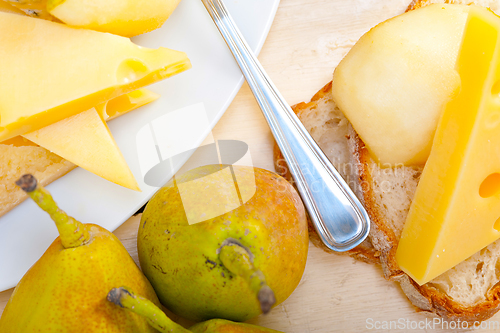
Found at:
[84, 139]
[456, 208]
[51, 71]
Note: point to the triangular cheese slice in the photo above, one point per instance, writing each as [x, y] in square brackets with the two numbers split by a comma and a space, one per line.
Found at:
[76, 138]
[85, 140]
[51, 71]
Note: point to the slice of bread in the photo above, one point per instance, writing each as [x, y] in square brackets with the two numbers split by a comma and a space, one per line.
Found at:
[469, 292]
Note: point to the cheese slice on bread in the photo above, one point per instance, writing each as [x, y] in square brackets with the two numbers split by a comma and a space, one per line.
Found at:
[470, 291]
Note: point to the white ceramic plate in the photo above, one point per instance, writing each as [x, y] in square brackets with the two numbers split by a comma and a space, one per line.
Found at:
[209, 87]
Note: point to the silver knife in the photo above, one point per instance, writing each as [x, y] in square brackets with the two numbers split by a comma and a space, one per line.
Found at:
[339, 218]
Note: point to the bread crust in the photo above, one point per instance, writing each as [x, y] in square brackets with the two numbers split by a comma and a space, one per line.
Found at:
[429, 299]
[382, 237]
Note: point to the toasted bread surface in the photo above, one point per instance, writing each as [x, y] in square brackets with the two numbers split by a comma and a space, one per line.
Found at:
[19, 160]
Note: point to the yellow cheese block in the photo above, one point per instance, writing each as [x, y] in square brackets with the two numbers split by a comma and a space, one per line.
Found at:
[78, 138]
[50, 71]
[456, 208]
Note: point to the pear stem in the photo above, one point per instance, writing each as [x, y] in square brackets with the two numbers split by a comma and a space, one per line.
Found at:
[72, 232]
[125, 298]
[237, 259]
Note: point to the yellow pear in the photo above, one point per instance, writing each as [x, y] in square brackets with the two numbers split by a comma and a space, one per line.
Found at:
[120, 17]
[66, 289]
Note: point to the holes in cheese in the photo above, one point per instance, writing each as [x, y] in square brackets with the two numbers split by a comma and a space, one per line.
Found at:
[131, 70]
[496, 226]
[126, 103]
[490, 186]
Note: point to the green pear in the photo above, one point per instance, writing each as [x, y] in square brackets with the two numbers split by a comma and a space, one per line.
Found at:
[125, 298]
[66, 289]
[214, 247]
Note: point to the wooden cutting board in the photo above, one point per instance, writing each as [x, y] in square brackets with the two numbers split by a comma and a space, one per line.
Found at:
[307, 40]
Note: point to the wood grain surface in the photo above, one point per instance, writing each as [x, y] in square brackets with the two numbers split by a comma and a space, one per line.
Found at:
[337, 294]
